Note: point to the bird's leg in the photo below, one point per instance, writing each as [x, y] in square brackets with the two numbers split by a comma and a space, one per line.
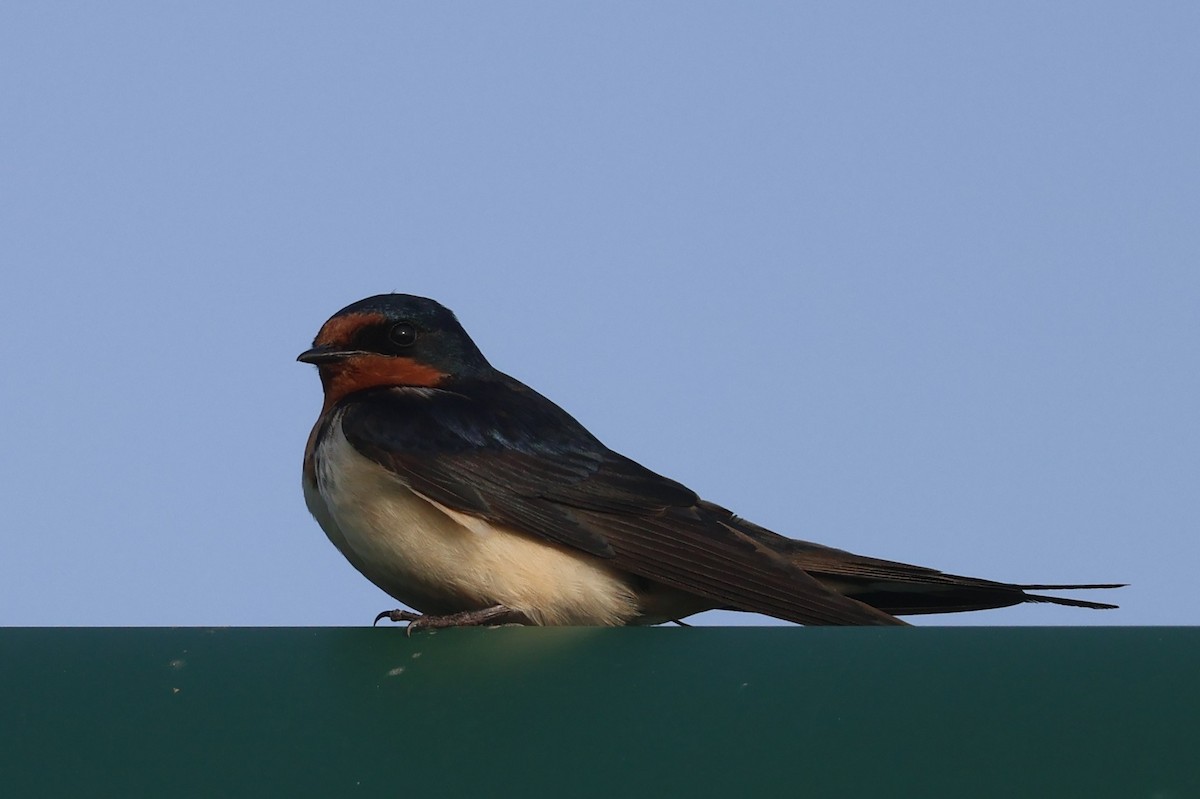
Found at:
[468, 618]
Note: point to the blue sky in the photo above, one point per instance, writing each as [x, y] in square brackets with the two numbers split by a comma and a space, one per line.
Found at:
[918, 280]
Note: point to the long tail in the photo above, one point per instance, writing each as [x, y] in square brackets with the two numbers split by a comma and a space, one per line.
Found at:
[1075, 603]
[951, 594]
[902, 589]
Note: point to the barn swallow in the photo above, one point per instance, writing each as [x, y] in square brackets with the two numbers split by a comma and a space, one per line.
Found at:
[471, 498]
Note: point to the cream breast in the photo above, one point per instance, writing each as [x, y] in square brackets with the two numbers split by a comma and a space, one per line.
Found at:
[438, 560]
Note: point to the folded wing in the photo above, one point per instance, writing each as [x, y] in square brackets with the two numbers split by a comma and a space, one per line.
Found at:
[503, 453]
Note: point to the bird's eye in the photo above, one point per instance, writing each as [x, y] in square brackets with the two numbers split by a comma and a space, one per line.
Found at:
[403, 334]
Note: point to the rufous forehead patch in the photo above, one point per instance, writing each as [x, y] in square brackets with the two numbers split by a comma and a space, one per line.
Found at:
[340, 329]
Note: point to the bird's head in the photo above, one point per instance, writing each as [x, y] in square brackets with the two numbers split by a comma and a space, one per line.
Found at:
[392, 340]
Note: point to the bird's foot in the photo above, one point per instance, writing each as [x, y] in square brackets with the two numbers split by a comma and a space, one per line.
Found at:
[468, 618]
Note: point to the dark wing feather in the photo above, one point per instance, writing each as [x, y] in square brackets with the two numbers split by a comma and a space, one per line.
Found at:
[500, 451]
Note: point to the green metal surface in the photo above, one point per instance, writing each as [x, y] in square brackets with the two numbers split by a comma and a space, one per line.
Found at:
[968, 712]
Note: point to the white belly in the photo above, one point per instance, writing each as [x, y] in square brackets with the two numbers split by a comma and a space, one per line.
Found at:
[437, 560]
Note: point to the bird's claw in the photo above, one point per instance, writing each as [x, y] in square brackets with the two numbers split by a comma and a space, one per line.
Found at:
[425, 621]
[397, 615]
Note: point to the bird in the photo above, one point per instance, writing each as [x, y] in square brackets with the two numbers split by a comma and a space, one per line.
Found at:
[473, 500]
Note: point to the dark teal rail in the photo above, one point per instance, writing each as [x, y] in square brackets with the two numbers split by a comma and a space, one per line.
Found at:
[665, 712]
